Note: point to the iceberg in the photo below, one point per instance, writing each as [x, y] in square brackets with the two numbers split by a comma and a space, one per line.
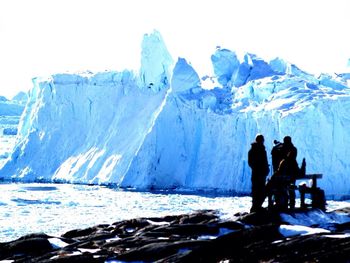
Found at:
[10, 107]
[160, 128]
[70, 132]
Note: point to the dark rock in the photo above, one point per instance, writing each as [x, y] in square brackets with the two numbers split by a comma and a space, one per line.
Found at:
[156, 251]
[79, 232]
[200, 217]
[309, 248]
[343, 226]
[27, 246]
[262, 217]
[186, 230]
[233, 225]
[231, 245]
[196, 237]
[83, 258]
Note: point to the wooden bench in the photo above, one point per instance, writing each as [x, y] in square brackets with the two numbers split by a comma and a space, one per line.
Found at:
[280, 191]
[314, 178]
[317, 194]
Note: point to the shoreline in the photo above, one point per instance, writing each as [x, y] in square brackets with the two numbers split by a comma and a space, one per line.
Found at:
[180, 191]
[194, 237]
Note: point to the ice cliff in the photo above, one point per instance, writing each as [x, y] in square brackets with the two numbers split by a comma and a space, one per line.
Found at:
[158, 128]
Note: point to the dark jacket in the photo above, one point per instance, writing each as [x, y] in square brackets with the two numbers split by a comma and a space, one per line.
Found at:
[289, 168]
[280, 151]
[278, 155]
[257, 159]
[287, 147]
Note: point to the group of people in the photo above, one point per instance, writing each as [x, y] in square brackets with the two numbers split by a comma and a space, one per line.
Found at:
[278, 188]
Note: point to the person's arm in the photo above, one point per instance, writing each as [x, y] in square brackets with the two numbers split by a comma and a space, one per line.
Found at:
[250, 158]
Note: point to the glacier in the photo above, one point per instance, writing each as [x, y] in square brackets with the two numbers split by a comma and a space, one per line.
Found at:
[161, 127]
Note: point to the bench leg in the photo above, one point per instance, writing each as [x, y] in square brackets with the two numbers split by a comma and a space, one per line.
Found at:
[291, 194]
[302, 198]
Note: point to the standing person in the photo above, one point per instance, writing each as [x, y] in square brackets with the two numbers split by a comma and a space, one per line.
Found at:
[277, 154]
[288, 146]
[293, 169]
[289, 170]
[280, 151]
[257, 160]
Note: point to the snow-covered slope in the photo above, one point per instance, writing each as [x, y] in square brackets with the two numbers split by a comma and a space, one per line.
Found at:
[160, 129]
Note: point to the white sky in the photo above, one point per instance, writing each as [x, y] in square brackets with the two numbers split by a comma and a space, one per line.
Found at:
[40, 37]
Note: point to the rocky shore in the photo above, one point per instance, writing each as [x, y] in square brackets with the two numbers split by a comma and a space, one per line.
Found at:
[197, 237]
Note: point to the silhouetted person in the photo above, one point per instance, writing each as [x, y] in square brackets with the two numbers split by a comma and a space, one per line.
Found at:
[277, 154]
[257, 160]
[282, 182]
[280, 151]
[288, 147]
[290, 170]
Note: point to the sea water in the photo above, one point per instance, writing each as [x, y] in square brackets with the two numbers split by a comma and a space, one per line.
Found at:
[57, 208]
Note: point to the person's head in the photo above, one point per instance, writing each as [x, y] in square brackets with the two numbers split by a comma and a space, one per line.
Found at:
[287, 140]
[276, 142]
[259, 138]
